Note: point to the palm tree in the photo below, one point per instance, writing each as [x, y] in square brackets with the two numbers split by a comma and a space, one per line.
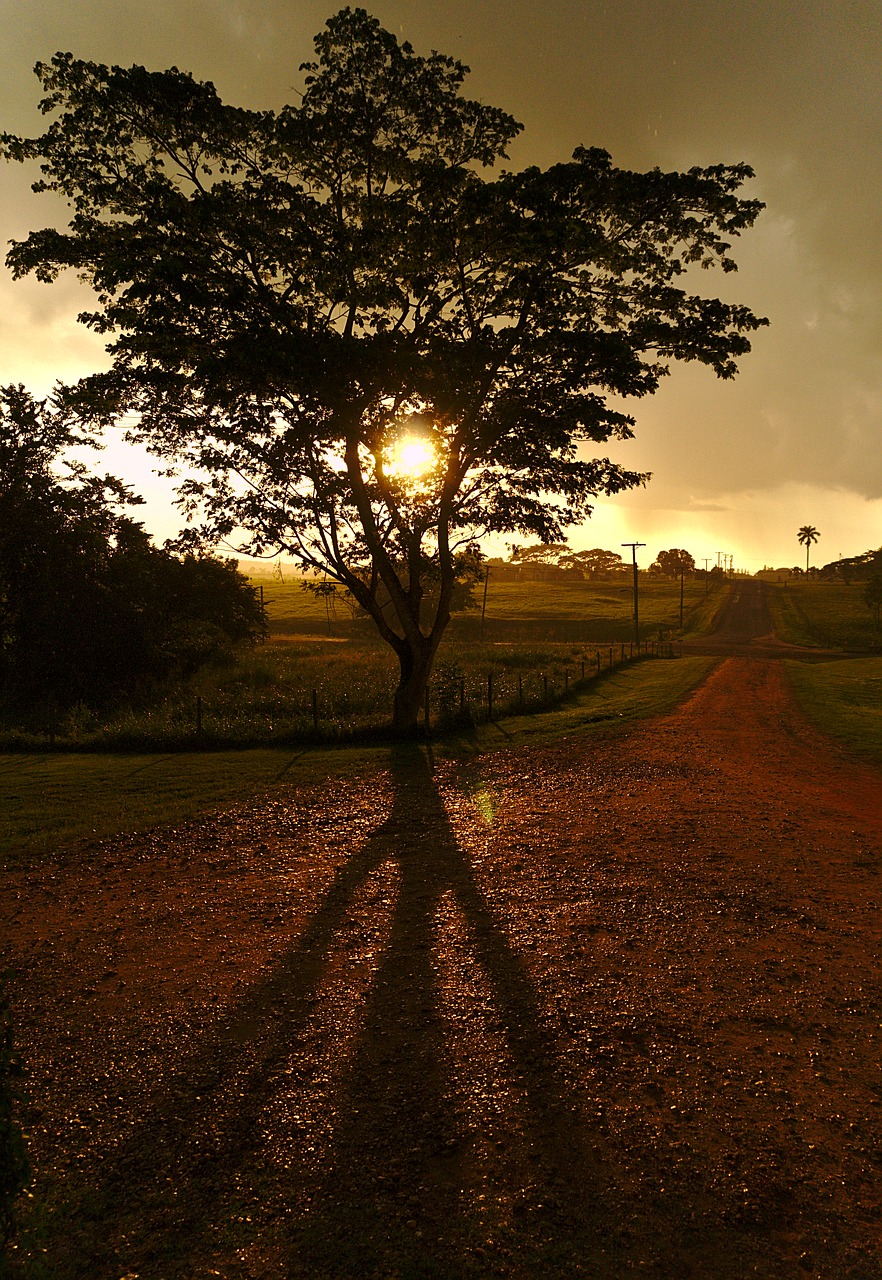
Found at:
[807, 535]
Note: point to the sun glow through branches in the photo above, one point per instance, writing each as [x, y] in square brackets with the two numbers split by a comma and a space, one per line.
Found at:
[411, 457]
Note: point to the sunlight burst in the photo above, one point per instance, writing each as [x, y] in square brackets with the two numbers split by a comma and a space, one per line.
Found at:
[411, 457]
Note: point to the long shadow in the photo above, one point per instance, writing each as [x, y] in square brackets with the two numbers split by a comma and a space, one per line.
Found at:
[399, 1190]
[409, 1188]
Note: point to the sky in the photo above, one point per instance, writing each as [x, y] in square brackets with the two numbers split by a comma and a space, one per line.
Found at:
[789, 86]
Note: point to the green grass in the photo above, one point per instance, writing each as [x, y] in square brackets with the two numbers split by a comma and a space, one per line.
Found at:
[844, 698]
[266, 698]
[832, 615]
[52, 802]
[603, 611]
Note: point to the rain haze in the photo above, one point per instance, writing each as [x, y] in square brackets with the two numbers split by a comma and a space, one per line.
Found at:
[737, 466]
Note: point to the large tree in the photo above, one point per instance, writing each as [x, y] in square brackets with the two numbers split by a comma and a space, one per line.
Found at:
[371, 351]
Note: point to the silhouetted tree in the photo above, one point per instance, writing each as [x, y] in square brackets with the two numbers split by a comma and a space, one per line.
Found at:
[873, 588]
[672, 563]
[596, 563]
[89, 608]
[807, 535]
[291, 295]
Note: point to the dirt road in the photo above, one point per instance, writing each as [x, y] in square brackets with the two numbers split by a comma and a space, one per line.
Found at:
[605, 1008]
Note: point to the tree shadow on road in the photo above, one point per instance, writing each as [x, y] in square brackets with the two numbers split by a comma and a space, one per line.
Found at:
[405, 1186]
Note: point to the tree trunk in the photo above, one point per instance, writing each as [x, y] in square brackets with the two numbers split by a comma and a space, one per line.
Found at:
[407, 708]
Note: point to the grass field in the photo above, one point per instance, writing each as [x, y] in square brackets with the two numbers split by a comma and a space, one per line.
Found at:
[52, 802]
[844, 698]
[307, 686]
[602, 612]
[830, 614]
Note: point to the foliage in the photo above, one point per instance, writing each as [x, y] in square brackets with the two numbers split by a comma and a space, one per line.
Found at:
[672, 563]
[806, 536]
[539, 553]
[873, 586]
[595, 563]
[14, 1168]
[290, 295]
[89, 608]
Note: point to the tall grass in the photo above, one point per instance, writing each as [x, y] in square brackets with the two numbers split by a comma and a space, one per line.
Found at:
[288, 692]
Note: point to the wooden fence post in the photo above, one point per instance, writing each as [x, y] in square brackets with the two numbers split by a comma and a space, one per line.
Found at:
[315, 710]
[489, 695]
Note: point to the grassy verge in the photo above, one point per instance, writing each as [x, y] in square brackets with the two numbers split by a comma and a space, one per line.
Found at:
[54, 802]
[844, 699]
[831, 614]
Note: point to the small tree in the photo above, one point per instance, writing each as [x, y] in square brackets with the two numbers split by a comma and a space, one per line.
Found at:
[372, 353]
[672, 563]
[807, 535]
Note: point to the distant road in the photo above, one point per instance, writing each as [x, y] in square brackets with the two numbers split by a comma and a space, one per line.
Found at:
[744, 628]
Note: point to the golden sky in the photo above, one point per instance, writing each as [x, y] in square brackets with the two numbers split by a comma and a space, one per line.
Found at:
[791, 88]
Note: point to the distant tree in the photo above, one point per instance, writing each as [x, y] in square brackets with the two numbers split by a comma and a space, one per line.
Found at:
[539, 553]
[596, 563]
[873, 587]
[807, 535]
[376, 353]
[89, 608]
[673, 562]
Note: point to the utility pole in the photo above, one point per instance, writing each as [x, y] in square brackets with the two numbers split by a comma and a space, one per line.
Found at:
[634, 546]
[484, 602]
[682, 575]
[706, 573]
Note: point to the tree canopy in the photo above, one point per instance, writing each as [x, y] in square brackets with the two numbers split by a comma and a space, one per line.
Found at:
[807, 535]
[372, 343]
[673, 562]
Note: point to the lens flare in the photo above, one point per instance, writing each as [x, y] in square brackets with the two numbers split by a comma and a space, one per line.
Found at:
[411, 457]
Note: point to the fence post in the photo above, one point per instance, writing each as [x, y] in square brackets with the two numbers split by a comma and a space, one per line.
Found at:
[597, 655]
[462, 697]
[583, 668]
[489, 695]
[610, 655]
[622, 659]
[315, 710]
[198, 717]
[520, 691]
[426, 709]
